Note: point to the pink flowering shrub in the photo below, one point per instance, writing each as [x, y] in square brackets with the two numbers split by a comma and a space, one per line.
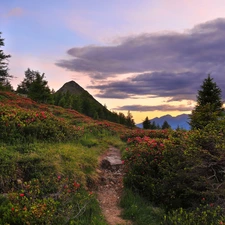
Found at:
[33, 205]
[17, 124]
[178, 171]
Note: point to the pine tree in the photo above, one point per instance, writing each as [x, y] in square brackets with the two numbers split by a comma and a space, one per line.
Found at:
[166, 125]
[209, 105]
[24, 87]
[129, 120]
[210, 93]
[4, 75]
[146, 123]
[35, 87]
[39, 90]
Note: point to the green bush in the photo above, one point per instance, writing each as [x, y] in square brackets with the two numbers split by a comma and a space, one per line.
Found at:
[178, 171]
[202, 215]
[32, 205]
[22, 125]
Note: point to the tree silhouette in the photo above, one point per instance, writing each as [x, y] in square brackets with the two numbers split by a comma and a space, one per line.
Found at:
[209, 105]
[146, 123]
[166, 125]
[35, 87]
[4, 75]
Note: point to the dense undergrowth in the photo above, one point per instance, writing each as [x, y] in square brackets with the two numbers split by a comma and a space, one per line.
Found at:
[182, 172]
[49, 156]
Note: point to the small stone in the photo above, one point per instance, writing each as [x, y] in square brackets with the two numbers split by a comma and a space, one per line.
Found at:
[98, 171]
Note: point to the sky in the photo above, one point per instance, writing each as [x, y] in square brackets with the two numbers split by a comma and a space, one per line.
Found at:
[148, 57]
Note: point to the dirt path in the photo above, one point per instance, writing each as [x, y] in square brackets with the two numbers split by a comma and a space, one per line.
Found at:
[111, 186]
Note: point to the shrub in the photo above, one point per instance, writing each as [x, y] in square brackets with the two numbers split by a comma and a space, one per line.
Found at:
[178, 171]
[202, 215]
[23, 125]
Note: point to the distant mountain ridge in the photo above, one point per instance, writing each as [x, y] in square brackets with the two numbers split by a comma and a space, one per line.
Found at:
[180, 120]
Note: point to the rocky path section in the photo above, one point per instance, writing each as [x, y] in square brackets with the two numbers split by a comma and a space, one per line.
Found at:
[111, 186]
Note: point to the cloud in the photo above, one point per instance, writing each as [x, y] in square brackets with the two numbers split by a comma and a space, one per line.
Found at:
[201, 48]
[175, 86]
[169, 64]
[143, 108]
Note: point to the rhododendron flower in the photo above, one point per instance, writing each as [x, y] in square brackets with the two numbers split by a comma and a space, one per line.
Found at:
[76, 185]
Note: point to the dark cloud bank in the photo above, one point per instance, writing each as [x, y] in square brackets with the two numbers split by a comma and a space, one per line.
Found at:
[166, 64]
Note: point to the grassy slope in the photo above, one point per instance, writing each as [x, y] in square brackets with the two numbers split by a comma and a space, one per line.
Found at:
[64, 171]
[46, 169]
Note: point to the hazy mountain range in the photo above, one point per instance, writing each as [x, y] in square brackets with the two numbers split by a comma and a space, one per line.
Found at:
[174, 122]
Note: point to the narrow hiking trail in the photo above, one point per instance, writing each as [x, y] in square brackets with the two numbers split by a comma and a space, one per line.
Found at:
[110, 186]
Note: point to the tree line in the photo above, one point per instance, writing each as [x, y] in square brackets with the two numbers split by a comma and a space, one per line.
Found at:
[147, 124]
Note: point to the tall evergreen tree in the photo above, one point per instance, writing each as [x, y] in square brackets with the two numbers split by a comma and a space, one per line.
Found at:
[210, 93]
[35, 87]
[24, 87]
[39, 90]
[166, 125]
[4, 75]
[129, 120]
[146, 123]
[209, 104]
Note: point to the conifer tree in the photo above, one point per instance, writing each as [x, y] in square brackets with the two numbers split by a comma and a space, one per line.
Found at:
[209, 105]
[35, 86]
[129, 120]
[166, 125]
[4, 75]
[146, 123]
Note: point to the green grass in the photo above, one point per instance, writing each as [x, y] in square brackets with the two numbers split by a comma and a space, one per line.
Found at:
[39, 165]
[141, 212]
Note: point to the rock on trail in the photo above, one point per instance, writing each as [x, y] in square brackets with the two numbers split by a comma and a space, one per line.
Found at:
[111, 186]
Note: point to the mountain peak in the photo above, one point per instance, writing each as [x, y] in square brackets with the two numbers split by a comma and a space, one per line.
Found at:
[72, 87]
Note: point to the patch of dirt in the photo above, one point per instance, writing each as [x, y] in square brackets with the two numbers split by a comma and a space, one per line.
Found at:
[110, 186]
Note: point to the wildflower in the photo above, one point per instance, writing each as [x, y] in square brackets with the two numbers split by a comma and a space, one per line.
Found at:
[203, 199]
[122, 161]
[76, 185]
[21, 194]
[13, 209]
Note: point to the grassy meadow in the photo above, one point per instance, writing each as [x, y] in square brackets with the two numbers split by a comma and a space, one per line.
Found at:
[49, 156]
